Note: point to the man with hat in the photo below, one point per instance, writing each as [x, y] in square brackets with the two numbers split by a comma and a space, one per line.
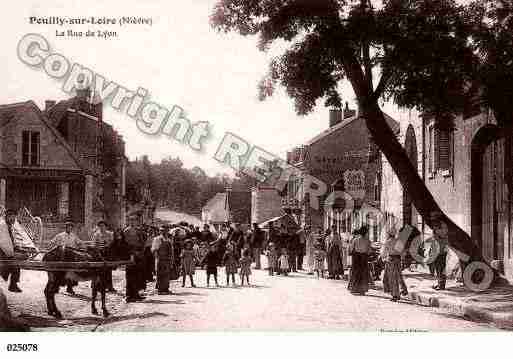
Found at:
[66, 238]
[163, 251]
[70, 240]
[440, 235]
[11, 273]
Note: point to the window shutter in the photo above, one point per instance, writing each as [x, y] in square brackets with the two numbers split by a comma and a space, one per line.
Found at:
[444, 149]
[436, 149]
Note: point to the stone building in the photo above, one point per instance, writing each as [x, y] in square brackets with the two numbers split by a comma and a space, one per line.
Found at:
[464, 163]
[347, 161]
[394, 202]
[62, 162]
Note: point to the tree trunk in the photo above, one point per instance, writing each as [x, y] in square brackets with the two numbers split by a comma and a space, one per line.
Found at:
[410, 180]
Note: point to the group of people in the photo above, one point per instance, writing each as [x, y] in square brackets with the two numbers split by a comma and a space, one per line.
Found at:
[329, 250]
[326, 252]
[170, 251]
[179, 249]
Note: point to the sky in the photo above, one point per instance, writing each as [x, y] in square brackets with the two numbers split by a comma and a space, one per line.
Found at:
[180, 60]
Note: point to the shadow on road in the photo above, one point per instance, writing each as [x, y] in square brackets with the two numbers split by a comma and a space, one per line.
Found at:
[158, 301]
[186, 293]
[48, 322]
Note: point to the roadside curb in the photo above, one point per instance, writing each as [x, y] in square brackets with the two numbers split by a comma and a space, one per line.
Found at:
[468, 310]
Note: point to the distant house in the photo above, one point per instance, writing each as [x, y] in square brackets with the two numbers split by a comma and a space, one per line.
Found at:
[214, 211]
[62, 162]
[229, 206]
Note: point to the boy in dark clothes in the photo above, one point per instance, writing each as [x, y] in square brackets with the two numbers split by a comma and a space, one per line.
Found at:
[211, 261]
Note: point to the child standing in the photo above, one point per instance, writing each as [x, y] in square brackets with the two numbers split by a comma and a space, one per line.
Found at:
[284, 262]
[188, 262]
[272, 259]
[210, 261]
[230, 264]
[319, 259]
[245, 266]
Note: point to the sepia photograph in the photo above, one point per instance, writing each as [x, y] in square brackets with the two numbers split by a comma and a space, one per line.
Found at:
[255, 166]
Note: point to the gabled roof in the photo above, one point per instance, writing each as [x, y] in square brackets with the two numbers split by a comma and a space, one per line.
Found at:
[58, 111]
[215, 208]
[394, 125]
[238, 203]
[8, 112]
[218, 198]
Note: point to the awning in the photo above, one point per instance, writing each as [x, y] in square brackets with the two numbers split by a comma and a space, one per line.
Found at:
[286, 221]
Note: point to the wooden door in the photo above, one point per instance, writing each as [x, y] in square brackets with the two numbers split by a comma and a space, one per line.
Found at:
[494, 204]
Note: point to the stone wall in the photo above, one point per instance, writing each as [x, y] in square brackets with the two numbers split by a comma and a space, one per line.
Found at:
[391, 189]
[52, 153]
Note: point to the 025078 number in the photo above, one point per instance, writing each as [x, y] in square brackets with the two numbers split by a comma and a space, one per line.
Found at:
[22, 347]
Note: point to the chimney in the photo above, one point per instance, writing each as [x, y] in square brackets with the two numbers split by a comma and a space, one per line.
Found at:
[49, 104]
[335, 117]
[84, 94]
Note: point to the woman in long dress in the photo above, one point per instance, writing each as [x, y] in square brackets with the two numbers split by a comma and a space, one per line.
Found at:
[334, 255]
[391, 252]
[311, 241]
[359, 250]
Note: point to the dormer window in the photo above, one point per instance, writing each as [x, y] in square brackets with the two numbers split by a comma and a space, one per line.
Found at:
[30, 144]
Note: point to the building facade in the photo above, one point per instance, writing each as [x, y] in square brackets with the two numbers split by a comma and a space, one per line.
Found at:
[63, 162]
[464, 164]
[266, 203]
[346, 160]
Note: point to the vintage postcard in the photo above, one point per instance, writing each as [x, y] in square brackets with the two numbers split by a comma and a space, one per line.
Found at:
[256, 166]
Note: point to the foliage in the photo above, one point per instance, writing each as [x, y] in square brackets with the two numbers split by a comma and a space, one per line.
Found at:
[430, 54]
[171, 185]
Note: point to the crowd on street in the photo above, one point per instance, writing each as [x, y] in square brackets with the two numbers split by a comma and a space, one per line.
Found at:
[174, 251]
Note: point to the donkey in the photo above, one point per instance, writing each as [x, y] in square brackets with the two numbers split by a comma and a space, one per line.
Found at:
[118, 250]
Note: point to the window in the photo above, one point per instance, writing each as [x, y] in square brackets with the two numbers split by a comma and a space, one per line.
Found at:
[440, 149]
[431, 149]
[30, 143]
[445, 143]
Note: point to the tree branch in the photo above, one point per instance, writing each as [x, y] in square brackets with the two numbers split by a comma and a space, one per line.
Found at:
[367, 63]
[383, 83]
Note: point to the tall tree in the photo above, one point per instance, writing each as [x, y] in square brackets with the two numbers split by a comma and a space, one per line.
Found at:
[421, 53]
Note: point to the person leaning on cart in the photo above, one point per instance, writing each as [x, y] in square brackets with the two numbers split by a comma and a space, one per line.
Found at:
[70, 240]
[12, 273]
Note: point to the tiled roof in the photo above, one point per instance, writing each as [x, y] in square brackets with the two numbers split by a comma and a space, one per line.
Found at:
[58, 111]
[9, 111]
[394, 125]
